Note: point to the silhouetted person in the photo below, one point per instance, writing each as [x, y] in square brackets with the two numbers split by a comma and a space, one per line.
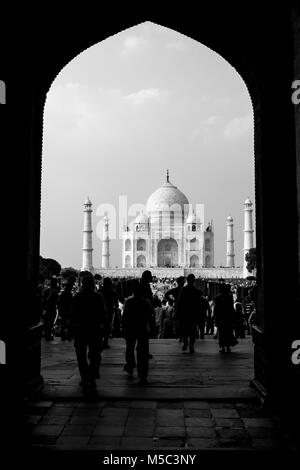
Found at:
[136, 329]
[239, 319]
[88, 316]
[210, 321]
[174, 292]
[168, 320]
[50, 305]
[224, 314]
[249, 307]
[147, 294]
[111, 305]
[204, 312]
[64, 306]
[190, 311]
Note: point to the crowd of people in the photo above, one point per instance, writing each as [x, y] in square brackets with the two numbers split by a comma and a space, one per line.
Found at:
[90, 312]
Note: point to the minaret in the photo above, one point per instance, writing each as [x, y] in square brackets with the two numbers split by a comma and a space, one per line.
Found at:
[230, 243]
[105, 243]
[87, 249]
[248, 233]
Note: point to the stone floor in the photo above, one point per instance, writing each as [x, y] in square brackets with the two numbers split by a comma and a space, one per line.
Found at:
[206, 374]
[201, 401]
[152, 424]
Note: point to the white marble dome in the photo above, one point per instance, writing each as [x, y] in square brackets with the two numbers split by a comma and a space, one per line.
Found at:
[164, 197]
[141, 219]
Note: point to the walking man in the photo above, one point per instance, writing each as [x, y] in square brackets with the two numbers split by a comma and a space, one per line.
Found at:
[88, 316]
[191, 307]
[136, 330]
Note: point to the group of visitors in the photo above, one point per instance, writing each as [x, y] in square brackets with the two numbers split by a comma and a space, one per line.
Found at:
[88, 314]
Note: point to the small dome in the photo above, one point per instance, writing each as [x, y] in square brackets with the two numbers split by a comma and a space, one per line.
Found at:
[193, 219]
[229, 218]
[247, 201]
[141, 219]
[87, 201]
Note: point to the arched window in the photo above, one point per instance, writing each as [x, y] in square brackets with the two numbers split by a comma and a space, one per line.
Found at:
[141, 244]
[207, 244]
[194, 261]
[194, 245]
[127, 244]
[127, 261]
[141, 261]
[207, 261]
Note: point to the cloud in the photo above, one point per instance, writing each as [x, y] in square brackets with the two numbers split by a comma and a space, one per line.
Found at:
[176, 45]
[146, 95]
[212, 120]
[132, 45]
[238, 127]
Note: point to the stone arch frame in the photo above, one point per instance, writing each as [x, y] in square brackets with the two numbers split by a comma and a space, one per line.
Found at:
[207, 244]
[141, 244]
[194, 261]
[127, 244]
[207, 261]
[194, 244]
[169, 256]
[127, 261]
[254, 72]
[141, 261]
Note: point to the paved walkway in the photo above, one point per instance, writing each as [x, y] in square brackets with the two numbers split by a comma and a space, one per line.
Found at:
[206, 374]
[201, 401]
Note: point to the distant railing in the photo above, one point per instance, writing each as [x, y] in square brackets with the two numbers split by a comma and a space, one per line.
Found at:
[209, 273]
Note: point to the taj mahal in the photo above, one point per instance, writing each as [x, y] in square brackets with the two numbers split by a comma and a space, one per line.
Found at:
[169, 237]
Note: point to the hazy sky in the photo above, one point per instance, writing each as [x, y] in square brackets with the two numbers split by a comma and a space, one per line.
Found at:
[124, 111]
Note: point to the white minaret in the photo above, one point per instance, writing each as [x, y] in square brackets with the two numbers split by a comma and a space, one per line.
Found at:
[230, 243]
[105, 243]
[248, 233]
[87, 249]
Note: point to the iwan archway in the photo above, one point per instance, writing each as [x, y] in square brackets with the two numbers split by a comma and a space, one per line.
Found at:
[167, 253]
[275, 375]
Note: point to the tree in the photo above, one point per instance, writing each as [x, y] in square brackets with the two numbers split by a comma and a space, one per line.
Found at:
[98, 277]
[67, 273]
[49, 267]
[251, 259]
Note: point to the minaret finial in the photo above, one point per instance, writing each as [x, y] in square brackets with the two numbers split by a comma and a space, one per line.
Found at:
[168, 175]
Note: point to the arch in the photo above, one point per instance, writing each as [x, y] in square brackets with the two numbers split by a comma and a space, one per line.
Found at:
[207, 261]
[127, 261]
[207, 244]
[194, 261]
[141, 261]
[194, 244]
[264, 148]
[167, 253]
[127, 244]
[141, 244]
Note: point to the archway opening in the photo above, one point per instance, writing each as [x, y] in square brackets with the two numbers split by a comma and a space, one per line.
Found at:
[194, 261]
[133, 110]
[167, 253]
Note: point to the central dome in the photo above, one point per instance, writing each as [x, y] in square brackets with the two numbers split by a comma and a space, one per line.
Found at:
[165, 197]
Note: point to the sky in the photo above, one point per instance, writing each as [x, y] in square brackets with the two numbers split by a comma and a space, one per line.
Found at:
[121, 113]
